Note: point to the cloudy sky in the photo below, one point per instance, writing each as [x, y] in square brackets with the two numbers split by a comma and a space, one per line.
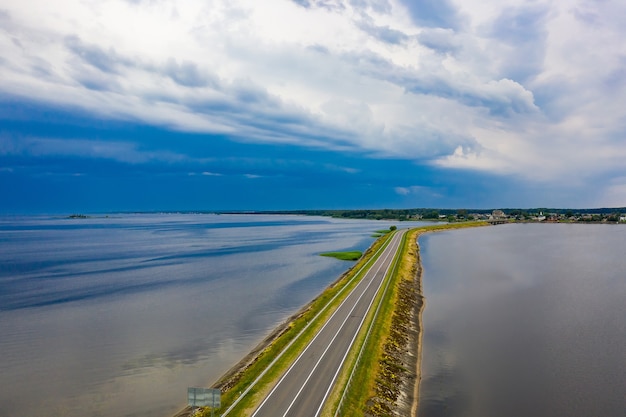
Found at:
[112, 105]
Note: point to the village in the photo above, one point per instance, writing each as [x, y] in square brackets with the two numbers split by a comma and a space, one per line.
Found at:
[569, 216]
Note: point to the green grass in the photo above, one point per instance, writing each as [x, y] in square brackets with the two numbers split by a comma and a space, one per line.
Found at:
[300, 330]
[344, 256]
[366, 372]
[304, 327]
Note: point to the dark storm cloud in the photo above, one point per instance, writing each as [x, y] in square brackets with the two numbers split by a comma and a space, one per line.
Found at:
[533, 89]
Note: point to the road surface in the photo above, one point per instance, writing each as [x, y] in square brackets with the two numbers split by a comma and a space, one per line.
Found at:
[304, 387]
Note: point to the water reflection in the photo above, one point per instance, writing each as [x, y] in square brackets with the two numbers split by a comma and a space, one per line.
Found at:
[524, 320]
[117, 316]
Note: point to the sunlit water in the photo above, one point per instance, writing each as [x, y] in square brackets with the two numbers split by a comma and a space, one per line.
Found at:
[117, 316]
[524, 320]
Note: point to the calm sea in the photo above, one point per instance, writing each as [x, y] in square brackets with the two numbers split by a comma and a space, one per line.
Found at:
[117, 316]
[524, 320]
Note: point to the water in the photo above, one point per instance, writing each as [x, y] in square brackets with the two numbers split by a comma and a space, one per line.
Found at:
[524, 320]
[118, 316]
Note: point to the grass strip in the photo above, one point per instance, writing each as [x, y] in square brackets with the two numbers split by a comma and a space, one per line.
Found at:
[344, 256]
[362, 352]
[288, 342]
[379, 371]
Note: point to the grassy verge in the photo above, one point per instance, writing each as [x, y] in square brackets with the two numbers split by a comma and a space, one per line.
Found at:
[380, 371]
[344, 256]
[256, 377]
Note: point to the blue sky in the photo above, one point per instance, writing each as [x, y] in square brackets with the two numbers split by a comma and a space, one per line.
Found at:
[296, 104]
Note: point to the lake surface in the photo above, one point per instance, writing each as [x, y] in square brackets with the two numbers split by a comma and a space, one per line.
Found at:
[524, 320]
[117, 316]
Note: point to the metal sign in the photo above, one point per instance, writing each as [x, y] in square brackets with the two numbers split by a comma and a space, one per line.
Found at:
[203, 397]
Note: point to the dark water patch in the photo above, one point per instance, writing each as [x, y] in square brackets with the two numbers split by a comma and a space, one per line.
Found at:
[212, 253]
[531, 317]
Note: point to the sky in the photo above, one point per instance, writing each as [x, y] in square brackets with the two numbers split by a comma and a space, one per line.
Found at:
[142, 105]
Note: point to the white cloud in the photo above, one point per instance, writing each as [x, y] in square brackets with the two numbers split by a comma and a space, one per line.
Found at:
[414, 189]
[531, 89]
[402, 190]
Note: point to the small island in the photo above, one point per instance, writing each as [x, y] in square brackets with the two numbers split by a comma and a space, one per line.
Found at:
[380, 233]
[344, 256]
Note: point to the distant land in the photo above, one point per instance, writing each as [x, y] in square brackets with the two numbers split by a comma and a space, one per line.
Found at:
[560, 215]
[609, 215]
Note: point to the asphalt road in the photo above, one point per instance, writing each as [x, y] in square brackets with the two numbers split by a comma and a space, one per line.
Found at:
[305, 386]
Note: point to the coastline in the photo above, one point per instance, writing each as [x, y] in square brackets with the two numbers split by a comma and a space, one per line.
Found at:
[419, 309]
[408, 354]
[232, 376]
[399, 375]
[399, 364]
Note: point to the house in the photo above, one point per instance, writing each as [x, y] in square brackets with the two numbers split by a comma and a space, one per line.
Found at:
[498, 214]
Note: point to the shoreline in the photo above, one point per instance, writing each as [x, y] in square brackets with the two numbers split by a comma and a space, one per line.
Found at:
[231, 376]
[419, 309]
[396, 391]
[398, 380]
[407, 401]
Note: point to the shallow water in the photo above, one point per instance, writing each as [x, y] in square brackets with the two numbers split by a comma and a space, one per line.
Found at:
[524, 320]
[118, 316]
